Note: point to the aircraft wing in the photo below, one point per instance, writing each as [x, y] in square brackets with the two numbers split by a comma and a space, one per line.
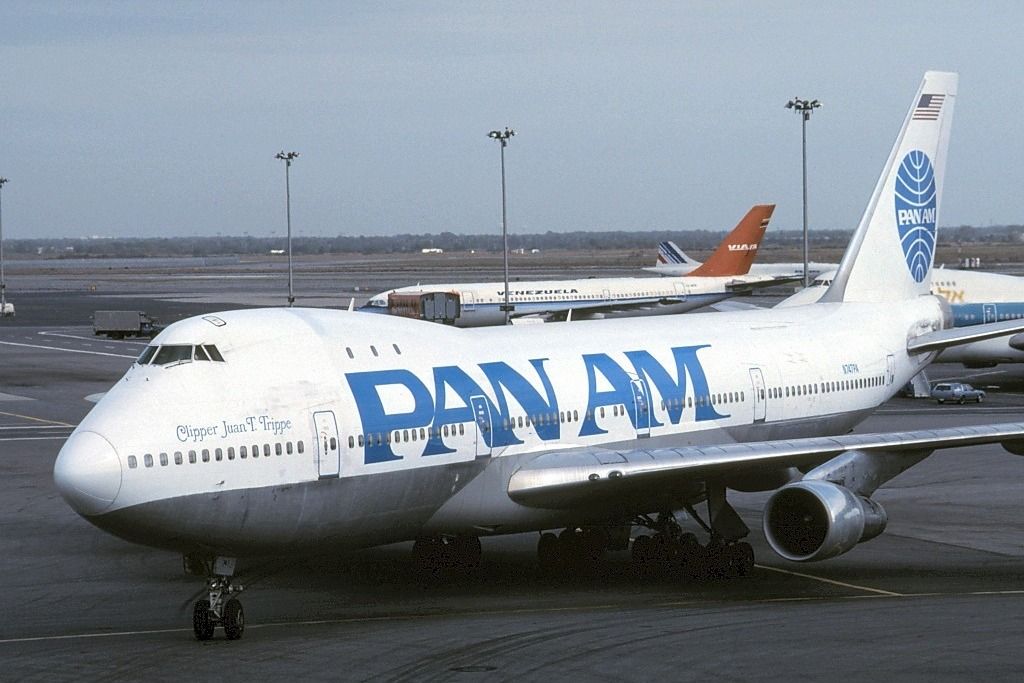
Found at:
[767, 281]
[955, 336]
[559, 311]
[593, 476]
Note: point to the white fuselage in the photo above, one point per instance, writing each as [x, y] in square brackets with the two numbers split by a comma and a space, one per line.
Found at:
[608, 297]
[371, 429]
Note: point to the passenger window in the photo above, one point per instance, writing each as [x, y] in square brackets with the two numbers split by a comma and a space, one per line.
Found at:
[602, 411]
[255, 450]
[288, 446]
[231, 452]
[266, 450]
[360, 440]
[444, 429]
[177, 457]
[148, 459]
[462, 429]
[132, 462]
[192, 457]
[373, 350]
[423, 434]
[349, 352]
[206, 455]
[243, 452]
[278, 450]
[575, 416]
[397, 350]
[405, 435]
[218, 455]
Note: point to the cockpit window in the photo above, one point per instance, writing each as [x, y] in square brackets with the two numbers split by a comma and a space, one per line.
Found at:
[147, 355]
[173, 353]
[179, 353]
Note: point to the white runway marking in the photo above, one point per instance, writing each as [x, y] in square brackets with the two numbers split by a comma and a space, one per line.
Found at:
[78, 336]
[35, 438]
[490, 613]
[37, 419]
[822, 579]
[57, 348]
[14, 397]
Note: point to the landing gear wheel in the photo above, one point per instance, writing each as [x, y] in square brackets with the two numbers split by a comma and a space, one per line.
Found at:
[980, 399]
[962, 401]
[745, 553]
[234, 620]
[202, 620]
[641, 556]
[548, 556]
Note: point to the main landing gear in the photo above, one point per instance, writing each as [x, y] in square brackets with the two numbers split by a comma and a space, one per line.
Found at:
[668, 551]
[221, 607]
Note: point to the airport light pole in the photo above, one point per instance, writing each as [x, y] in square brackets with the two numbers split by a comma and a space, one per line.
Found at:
[287, 158]
[804, 108]
[502, 137]
[3, 282]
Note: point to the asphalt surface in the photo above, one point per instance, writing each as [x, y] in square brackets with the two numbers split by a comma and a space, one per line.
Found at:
[939, 595]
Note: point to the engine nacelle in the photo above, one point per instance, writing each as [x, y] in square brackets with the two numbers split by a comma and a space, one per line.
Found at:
[813, 520]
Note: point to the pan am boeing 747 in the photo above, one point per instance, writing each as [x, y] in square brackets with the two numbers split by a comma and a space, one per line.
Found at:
[289, 431]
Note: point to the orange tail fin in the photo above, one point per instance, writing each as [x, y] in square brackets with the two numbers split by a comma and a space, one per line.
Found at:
[737, 251]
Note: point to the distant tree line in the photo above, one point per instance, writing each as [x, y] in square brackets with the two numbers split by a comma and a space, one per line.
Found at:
[696, 240]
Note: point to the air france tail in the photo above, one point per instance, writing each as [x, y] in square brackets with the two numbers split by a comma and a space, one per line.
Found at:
[891, 254]
[669, 254]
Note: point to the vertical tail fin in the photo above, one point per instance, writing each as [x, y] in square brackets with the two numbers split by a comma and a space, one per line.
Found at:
[890, 255]
[737, 251]
[671, 255]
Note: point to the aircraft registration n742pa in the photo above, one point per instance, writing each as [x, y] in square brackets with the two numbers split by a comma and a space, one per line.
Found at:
[286, 431]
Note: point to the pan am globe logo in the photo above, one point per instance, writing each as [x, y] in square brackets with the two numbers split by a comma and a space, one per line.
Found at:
[915, 212]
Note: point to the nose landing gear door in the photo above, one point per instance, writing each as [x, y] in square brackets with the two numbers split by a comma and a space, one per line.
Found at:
[328, 451]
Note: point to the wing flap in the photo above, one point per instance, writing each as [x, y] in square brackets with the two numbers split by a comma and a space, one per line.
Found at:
[589, 476]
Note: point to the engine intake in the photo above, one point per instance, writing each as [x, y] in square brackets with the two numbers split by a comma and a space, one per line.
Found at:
[813, 520]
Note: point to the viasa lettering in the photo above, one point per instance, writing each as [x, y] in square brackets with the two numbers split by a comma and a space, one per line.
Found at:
[398, 399]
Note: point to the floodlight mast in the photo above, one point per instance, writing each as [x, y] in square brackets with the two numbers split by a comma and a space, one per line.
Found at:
[502, 137]
[287, 158]
[3, 281]
[804, 108]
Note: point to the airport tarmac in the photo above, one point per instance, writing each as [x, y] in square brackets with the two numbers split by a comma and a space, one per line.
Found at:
[939, 595]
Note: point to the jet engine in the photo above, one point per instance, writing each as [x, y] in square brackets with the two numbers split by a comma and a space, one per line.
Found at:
[814, 520]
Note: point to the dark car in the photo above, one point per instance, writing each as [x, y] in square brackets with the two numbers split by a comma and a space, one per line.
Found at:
[956, 391]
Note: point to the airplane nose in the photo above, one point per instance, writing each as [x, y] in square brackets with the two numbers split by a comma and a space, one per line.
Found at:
[88, 473]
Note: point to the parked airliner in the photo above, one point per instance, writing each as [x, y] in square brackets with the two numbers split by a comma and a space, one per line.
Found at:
[673, 261]
[724, 275]
[288, 431]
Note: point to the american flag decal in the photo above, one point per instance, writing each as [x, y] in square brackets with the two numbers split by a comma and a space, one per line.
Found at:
[928, 108]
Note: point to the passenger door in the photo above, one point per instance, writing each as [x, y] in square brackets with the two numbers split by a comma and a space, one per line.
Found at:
[484, 427]
[641, 407]
[328, 452]
[760, 399]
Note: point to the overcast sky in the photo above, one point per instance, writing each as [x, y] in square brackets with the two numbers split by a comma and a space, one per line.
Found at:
[137, 118]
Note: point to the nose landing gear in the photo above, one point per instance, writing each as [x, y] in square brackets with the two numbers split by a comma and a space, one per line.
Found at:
[221, 607]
